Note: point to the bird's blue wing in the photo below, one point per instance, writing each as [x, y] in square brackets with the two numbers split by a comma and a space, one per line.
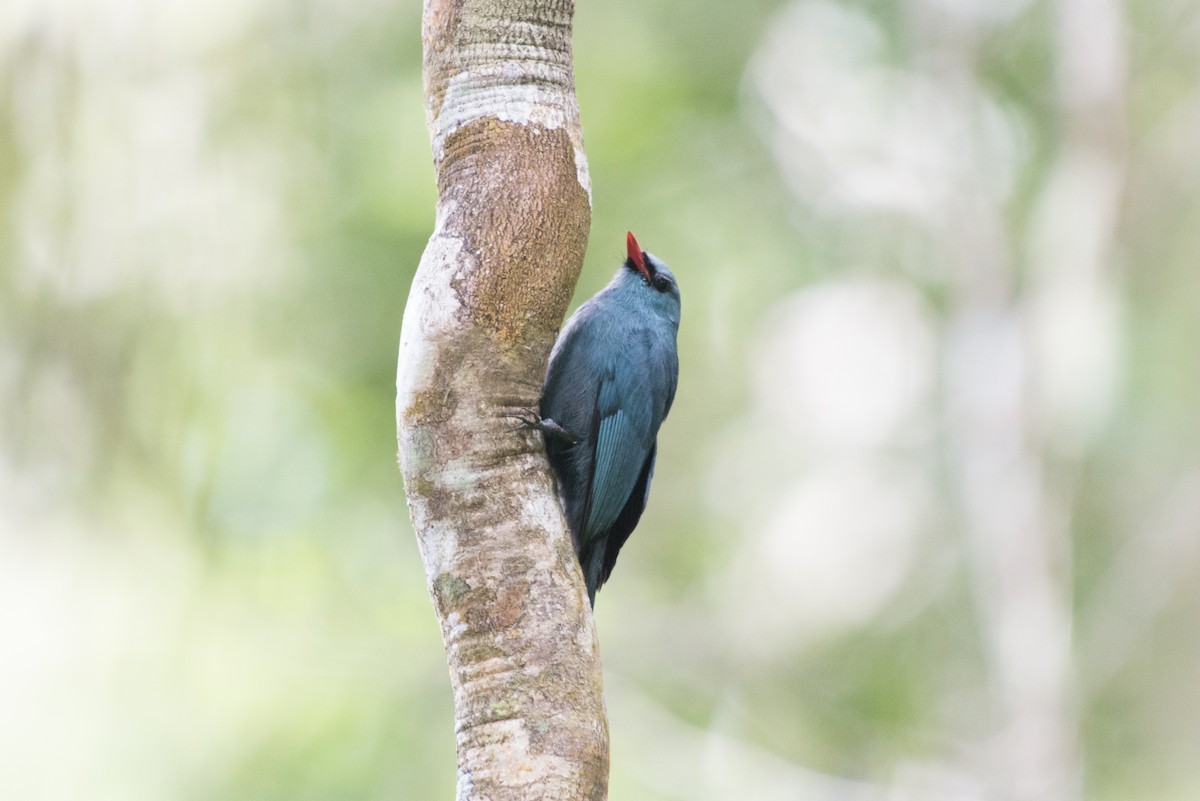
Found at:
[626, 522]
[623, 441]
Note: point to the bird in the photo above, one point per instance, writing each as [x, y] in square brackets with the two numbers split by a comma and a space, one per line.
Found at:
[609, 385]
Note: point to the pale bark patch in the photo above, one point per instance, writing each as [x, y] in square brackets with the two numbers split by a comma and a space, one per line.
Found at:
[472, 98]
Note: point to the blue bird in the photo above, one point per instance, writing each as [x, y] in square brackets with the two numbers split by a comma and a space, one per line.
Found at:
[609, 386]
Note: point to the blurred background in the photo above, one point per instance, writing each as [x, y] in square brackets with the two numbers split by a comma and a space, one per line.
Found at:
[926, 520]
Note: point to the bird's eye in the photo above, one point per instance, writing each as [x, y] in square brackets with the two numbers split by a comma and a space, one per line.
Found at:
[661, 283]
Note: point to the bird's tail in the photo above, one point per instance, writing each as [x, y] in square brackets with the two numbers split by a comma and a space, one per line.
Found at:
[591, 559]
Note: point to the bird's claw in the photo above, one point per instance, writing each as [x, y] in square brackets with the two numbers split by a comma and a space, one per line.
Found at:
[528, 419]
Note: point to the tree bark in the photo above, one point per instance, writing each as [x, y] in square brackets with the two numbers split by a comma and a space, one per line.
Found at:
[488, 298]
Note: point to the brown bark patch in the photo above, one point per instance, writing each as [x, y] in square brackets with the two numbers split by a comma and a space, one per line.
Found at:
[523, 189]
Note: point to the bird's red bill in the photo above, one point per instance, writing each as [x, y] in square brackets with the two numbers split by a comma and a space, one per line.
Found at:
[635, 254]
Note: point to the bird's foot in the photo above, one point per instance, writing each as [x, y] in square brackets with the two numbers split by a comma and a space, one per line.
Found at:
[528, 419]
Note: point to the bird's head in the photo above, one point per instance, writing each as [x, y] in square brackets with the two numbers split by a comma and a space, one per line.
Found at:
[650, 276]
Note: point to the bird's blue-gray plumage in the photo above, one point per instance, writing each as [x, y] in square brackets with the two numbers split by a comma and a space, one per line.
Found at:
[609, 386]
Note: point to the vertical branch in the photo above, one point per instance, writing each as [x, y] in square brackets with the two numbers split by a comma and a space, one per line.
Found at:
[489, 295]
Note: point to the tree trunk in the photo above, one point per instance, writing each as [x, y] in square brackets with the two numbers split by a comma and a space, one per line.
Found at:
[488, 298]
